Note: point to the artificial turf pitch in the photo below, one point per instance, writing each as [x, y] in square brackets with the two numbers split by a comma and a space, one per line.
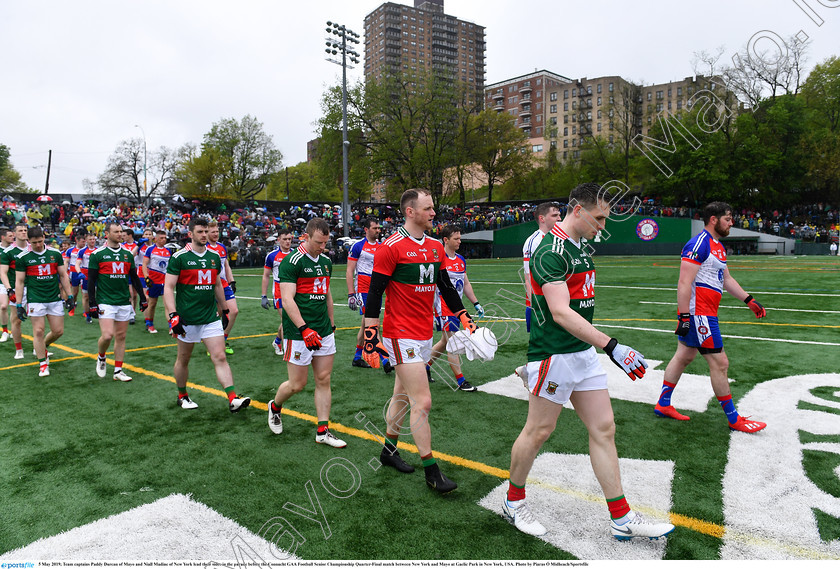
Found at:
[75, 448]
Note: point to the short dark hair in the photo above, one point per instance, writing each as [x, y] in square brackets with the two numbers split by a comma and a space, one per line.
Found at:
[111, 224]
[317, 224]
[4, 230]
[409, 198]
[81, 233]
[447, 230]
[20, 224]
[34, 232]
[715, 209]
[369, 221]
[197, 221]
[588, 195]
[160, 232]
[284, 231]
[544, 209]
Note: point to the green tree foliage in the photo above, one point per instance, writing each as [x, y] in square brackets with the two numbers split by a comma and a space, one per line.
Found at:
[303, 182]
[124, 175]
[821, 143]
[237, 160]
[500, 148]
[10, 179]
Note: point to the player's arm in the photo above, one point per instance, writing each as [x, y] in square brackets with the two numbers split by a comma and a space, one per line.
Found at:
[229, 272]
[330, 308]
[138, 286]
[468, 290]
[373, 307]
[64, 279]
[78, 263]
[4, 276]
[688, 272]
[93, 278]
[221, 303]
[20, 282]
[266, 278]
[66, 259]
[351, 272]
[146, 266]
[169, 283]
[290, 307]
[527, 281]
[733, 288]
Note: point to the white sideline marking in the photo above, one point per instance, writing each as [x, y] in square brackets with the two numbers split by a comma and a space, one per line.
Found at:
[748, 308]
[173, 528]
[565, 496]
[767, 495]
[692, 394]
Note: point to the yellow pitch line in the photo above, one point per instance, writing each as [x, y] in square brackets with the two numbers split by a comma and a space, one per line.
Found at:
[720, 322]
[700, 526]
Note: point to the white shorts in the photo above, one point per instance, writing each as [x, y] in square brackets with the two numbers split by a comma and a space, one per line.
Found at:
[198, 332]
[3, 289]
[408, 351]
[557, 377]
[296, 352]
[46, 308]
[115, 312]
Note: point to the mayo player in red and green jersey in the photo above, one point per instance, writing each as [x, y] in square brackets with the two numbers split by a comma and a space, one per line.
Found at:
[41, 270]
[309, 329]
[110, 271]
[407, 268]
[563, 366]
[195, 300]
[9, 280]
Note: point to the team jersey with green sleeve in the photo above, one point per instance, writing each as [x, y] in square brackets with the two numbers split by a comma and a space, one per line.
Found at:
[7, 257]
[42, 279]
[559, 259]
[312, 281]
[195, 293]
[114, 266]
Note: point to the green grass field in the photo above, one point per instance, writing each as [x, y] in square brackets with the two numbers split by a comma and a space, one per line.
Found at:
[75, 448]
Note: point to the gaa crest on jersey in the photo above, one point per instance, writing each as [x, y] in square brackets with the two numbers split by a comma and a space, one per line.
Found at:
[409, 352]
[552, 387]
[297, 355]
[435, 254]
[647, 229]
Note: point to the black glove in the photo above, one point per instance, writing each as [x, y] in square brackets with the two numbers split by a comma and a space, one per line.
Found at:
[233, 286]
[225, 319]
[70, 302]
[264, 302]
[684, 325]
[149, 282]
[144, 304]
[93, 311]
[175, 324]
[21, 312]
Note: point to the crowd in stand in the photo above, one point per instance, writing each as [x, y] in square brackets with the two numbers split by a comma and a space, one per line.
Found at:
[249, 231]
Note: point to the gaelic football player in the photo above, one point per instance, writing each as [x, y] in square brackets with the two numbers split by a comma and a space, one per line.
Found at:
[7, 237]
[272, 263]
[227, 279]
[8, 276]
[155, 261]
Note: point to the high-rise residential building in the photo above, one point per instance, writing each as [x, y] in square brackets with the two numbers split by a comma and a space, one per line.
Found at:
[421, 39]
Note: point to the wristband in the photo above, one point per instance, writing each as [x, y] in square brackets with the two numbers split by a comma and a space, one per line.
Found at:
[302, 328]
[748, 299]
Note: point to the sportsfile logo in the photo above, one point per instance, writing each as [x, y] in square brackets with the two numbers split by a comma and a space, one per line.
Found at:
[24, 565]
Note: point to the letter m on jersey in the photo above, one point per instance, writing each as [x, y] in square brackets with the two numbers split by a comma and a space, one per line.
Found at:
[118, 268]
[205, 277]
[44, 270]
[427, 272]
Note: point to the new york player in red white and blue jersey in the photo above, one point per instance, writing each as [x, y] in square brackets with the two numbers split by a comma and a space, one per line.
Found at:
[228, 283]
[703, 278]
[155, 262]
[82, 262]
[270, 273]
[456, 267]
[70, 256]
[359, 269]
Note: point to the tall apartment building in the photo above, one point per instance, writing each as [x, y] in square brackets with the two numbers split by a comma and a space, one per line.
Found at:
[422, 38]
[526, 99]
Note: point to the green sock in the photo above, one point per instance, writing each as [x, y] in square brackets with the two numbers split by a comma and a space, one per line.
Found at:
[428, 460]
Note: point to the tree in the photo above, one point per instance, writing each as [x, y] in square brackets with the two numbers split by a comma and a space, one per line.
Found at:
[124, 175]
[303, 182]
[237, 160]
[821, 144]
[10, 179]
[500, 148]
[759, 73]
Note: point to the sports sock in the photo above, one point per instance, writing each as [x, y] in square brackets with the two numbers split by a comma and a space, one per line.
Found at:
[391, 443]
[618, 507]
[428, 460]
[101, 357]
[6, 329]
[226, 338]
[182, 392]
[383, 359]
[515, 492]
[459, 378]
[278, 341]
[230, 392]
[729, 408]
[117, 367]
[358, 353]
[149, 323]
[665, 394]
[275, 407]
[18, 345]
[322, 427]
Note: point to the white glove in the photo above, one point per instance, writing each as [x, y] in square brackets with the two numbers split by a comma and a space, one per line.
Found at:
[632, 362]
[351, 301]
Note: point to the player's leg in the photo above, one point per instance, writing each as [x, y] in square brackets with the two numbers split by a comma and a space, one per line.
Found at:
[106, 334]
[278, 340]
[149, 315]
[15, 326]
[234, 312]
[38, 334]
[595, 411]
[322, 367]
[132, 300]
[297, 377]
[214, 341]
[357, 356]
[673, 371]
[120, 331]
[4, 315]
[75, 290]
[719, 374]
[181, 372]
[85, 301]
[56, 322]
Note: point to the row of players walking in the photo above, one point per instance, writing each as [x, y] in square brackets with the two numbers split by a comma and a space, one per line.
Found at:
[423, 281]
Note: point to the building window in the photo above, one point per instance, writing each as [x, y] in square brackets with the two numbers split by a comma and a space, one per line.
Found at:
[566, 106]
[610, 87]
[574, 130]
[565, 119]
[552, 120]
[574, 105]
[537, 148]
[599, 113]
[589, 89]
[565, 155]
[679, 104]
[574, 92]
[566, 94]
[565, 144]
[553, 145]
[611, 139]
[669, 105]
[598, 89]
[599, 101]
[659, 95]
[552, 96]
[565, 131]
[679, 91]
[599, 127]
[669, 92]
[553, 109]
[649, 96]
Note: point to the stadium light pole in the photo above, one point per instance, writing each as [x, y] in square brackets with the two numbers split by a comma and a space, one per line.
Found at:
[333, 48]
[145, 190]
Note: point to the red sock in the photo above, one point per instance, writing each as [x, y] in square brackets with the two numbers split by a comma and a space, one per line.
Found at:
[515, 493]
[18, 345]
[117, 366]
[618, 507]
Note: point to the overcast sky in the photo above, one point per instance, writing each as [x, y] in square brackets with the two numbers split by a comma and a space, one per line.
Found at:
[77, 76]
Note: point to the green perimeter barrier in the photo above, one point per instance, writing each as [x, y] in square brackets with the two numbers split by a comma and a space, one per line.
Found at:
[663, 236]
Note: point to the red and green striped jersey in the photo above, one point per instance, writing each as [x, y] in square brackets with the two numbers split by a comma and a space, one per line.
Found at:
[42, 279]
[311, 276]
[413, 268]
[7, 257]
[195, 293]
[114, 266]
[559, 259]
